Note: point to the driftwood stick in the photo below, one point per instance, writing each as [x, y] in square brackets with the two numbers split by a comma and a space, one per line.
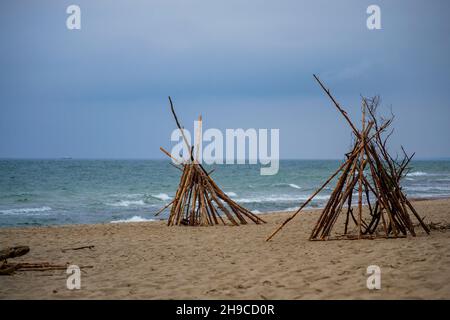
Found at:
[162, 209]
[361, 169]
[175, 166]
[79, 248]
[327, 91]
[306, 202]
[327, 213]
[198, 136]
[181, 129]
[167, 153]
[424, 226]
[8, 269]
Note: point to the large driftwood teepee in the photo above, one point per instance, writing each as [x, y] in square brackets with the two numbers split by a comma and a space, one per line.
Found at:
[199, 201]
[372, 175]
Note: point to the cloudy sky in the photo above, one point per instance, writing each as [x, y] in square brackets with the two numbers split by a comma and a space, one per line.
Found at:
[101, 92]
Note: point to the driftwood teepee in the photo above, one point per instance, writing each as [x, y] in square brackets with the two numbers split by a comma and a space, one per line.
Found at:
[199, 201]
[371, 172]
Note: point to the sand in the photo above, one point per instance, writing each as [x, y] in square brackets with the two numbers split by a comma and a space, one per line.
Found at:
[148, 260]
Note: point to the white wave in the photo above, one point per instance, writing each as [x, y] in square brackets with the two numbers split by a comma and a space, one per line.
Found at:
[29, 211]
[161, 196]
[292, 185]
[427, 188]
[132, 219]
[430, 195]
[417, 174]
[231, 194]
[127, 203]
[324, 197]
[128, 195]
[280, 198]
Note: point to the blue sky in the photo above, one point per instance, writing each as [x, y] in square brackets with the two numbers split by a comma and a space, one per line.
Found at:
[101, 92]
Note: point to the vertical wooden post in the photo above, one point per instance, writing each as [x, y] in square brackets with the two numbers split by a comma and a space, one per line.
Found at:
[199, 137]
[361, 169]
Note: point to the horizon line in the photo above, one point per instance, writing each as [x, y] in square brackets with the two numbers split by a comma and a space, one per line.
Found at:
[165, 159]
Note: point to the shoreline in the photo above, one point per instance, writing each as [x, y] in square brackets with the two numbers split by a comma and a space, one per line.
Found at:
[264, 213]
[152, 261]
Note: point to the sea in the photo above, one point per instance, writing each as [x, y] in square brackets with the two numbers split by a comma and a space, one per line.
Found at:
[69, 191]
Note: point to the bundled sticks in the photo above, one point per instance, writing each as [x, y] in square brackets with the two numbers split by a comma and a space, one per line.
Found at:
[199, 201]
[372, 175]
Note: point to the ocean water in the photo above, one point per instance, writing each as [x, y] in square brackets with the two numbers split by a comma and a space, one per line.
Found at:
[51, 192]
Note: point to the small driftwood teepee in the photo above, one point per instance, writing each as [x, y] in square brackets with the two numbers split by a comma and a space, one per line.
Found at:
[374, 176]
[199, 201]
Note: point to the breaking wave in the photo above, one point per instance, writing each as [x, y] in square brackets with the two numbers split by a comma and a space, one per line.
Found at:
[292, 185]
[132, 219]
[161, 196]
[29, 211]
[427, 188]
[127, 203]
[280, 198]
[417, 174]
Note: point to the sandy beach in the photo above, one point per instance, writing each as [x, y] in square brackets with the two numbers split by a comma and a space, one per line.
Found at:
[149, 260]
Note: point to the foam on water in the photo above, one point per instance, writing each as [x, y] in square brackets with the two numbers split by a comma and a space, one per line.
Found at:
[161, 196]
[280, 198]
[427, 188]
[132, 219]
[292, 185]
[26, 211]
[127, 203]
[417, 174]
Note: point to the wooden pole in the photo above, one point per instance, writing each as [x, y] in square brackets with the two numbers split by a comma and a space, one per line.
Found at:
[180, 128]
[198, 135]
[361, 169]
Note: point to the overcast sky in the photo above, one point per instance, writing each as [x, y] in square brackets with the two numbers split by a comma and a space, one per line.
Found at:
[101, 92]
